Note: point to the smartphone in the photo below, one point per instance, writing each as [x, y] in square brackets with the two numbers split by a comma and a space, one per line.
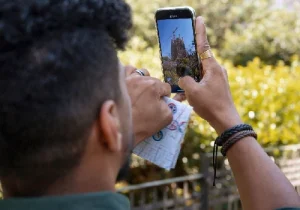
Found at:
[177, 42]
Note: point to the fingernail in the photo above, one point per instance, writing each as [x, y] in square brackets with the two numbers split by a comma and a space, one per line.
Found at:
[201, 19]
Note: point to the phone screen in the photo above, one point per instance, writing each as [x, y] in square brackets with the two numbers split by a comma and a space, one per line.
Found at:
[178, 49]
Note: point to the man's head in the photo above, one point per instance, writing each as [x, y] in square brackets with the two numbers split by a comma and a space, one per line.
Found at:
[63, 100]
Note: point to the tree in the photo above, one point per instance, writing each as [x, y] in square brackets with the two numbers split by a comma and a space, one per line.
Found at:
[239, 29]
[250, 38]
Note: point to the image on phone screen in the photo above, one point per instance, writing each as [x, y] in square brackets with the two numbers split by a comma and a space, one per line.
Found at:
[178, 50]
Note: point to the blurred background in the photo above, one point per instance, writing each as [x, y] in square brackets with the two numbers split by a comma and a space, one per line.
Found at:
[258, 42]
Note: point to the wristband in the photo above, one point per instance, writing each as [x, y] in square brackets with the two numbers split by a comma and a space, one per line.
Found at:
[235, 139]
[230, 132]
[222, 139]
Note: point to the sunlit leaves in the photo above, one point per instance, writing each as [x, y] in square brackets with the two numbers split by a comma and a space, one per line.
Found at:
[250, 39]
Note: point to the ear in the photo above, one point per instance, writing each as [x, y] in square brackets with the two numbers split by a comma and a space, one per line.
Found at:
[109, 119]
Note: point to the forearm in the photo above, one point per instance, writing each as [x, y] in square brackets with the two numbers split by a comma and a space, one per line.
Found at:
[260, 182]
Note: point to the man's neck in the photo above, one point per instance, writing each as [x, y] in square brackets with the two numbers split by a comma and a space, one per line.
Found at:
[83, 179]
[88, 182]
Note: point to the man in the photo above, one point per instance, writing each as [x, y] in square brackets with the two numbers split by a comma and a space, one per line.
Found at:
[66, 116]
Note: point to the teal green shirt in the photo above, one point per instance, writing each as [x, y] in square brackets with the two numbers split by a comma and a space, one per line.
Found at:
[92, 201]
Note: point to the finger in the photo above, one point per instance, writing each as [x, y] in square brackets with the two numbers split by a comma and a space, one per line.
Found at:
[145, 72]
[129, 70]
[180, 97]
[164, 89]
[202, 42]
[187, 83]
[166, 113]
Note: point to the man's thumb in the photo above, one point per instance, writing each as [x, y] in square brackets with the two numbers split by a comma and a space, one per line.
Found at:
[187, 83]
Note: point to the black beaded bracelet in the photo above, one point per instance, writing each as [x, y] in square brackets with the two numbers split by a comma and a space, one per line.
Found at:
[222, 139]
[235, 139]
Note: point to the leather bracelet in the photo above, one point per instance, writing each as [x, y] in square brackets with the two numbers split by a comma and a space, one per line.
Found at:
[230, 132]
[235, 139]
[227, 134]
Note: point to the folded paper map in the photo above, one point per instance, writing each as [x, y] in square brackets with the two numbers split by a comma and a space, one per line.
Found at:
[164, 147]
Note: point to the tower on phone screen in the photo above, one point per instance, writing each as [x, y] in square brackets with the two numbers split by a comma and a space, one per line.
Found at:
[178, 49]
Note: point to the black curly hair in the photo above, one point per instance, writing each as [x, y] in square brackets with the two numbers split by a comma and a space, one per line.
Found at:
[58, 64]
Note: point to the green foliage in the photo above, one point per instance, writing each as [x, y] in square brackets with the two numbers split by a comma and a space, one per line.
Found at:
[268, 91]
[267, 97]
[240, 29]
[272, 35]
[255, 42]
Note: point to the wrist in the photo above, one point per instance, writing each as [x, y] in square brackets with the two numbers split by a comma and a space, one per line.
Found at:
[224, 121]
[245, 143]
